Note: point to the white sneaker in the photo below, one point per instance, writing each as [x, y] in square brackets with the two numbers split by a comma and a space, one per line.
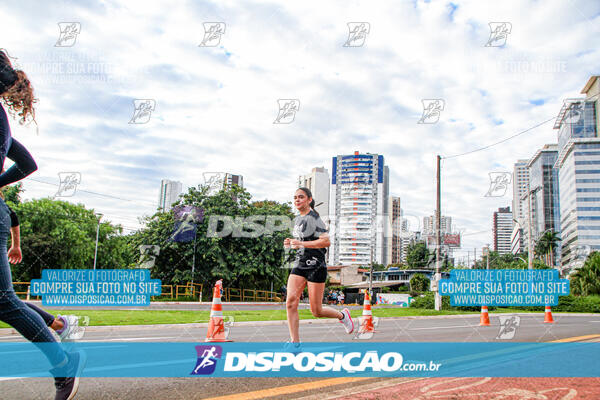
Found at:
[71, 330]
[347, 321]
[292, 347]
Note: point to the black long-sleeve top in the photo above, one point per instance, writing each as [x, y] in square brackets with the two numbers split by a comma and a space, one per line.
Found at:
[9, 147]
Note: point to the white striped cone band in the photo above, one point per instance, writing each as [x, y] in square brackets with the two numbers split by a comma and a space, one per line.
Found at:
[214, 313]
[216, 300]
[367, 312]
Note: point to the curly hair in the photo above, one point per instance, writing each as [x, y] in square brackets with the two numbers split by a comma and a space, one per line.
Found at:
[18, 96]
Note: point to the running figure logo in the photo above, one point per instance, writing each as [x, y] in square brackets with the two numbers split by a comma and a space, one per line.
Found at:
[212, 34]
[68, 183]
[148, 254]
[498, 34]
[207, 359]
[432, 108]
[68, 34]
[357, 34]
[508, 326]
[186, 220]
[142, 110]
[215, 181]
[287, 111]
[574, 111]
[499, 182]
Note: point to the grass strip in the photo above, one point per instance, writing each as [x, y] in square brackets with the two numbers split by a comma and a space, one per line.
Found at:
[153, 317]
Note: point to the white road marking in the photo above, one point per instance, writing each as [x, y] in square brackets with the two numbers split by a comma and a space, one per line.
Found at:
[444, 327]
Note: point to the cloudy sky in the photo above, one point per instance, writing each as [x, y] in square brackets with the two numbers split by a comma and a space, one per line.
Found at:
[215, 104]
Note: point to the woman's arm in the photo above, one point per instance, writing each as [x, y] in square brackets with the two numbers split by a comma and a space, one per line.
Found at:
[24, 164]
[320, 243]
[14, 253]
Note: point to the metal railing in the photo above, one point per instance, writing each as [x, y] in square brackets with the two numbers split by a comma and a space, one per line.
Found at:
[189, 290]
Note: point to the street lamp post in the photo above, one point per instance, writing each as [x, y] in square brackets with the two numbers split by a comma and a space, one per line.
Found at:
[486, 253]
[97, 234]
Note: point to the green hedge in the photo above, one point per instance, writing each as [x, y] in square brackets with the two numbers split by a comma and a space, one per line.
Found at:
[570, 303]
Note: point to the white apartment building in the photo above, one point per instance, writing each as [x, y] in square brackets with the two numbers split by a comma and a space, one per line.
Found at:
[169, 194]
[359, 203]
[502, 230]
[318, 183]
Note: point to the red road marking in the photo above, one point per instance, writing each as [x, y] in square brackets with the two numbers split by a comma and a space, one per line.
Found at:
[488, 389]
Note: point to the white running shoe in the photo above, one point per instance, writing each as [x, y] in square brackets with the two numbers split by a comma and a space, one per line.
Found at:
[292, 347]
[347, 321]
[71, 330]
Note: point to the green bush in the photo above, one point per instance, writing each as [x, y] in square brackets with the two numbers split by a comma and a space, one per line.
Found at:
[428, 302]
[419, 283]
[570, 303]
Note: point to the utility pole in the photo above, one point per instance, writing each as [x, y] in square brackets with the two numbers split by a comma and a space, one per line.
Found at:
[438, 225]
[371, 274]
[194, 255]
[529, 233]
[97, 234]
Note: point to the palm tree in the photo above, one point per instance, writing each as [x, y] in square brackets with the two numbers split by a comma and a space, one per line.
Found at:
[546, 245]
[586, 280]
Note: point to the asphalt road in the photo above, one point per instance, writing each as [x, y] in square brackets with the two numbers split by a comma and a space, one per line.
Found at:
[444, 329]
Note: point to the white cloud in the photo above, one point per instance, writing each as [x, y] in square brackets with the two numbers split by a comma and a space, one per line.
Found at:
[216, 106]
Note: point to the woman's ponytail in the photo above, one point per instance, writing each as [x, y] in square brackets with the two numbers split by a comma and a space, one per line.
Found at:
[309, 194]
[16, 90]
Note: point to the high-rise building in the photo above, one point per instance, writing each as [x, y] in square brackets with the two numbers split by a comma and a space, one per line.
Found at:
[578, 164]
[543, 187]
[429, 225]
[231, 179]
[407, 239]
[169, 194]
[520, 182]
[217, 181]
[502, 230]
[396, 244]
[516, 239]
[359, 203]
[318, 183]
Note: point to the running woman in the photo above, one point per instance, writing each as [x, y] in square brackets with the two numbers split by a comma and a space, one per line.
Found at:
[311, 240]
[17, 94]
[66, 326]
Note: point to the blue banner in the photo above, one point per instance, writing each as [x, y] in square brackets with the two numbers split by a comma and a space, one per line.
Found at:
[100, 287]
[504, 287]
[314, 359]
[186, 220]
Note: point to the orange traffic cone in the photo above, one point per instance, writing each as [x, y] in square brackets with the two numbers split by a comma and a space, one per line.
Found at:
[484, 319]
[216, 328]
[367, 316]
[548, 316]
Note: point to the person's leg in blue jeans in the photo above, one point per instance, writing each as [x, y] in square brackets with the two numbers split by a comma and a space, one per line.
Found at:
[13, 311]
[46, 316]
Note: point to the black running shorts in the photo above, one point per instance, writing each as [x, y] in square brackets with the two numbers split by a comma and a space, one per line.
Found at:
[316, 275]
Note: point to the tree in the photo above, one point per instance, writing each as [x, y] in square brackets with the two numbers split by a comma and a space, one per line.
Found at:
[546, 245]
[417, 255]
[419, 283]
[378, 267]
[58, 234]
[508, 261]
[242, 262]
[586, 281]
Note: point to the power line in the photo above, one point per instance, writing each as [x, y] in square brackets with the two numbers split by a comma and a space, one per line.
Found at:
[501, 141]
[95, 193]
[515, 135]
